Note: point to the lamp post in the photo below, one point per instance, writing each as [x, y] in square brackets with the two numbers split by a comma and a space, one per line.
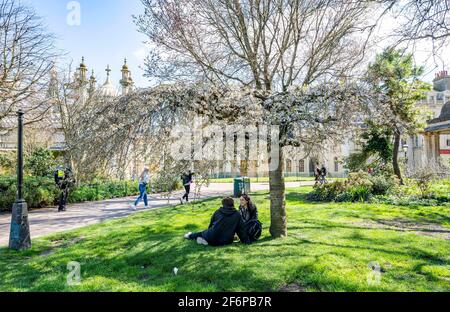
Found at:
[19, 237]
[405, 150]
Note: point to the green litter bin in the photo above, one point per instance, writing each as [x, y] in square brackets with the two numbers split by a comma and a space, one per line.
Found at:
[241, 186]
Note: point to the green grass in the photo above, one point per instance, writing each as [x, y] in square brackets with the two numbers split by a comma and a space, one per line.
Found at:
[329, 248]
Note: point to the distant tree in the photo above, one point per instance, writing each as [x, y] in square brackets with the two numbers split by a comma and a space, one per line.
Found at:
[376, 144]
[395, 78]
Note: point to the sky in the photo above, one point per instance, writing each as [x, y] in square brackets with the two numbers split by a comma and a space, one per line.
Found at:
[106, 35]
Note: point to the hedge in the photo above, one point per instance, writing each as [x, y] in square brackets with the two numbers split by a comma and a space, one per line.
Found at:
[42, 192]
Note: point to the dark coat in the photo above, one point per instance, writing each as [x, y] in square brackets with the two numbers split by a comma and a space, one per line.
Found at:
[253, 227]
[225, 222]
[249, 214]
[187, 178]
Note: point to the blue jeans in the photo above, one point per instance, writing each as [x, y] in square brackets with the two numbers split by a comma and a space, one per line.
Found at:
[143, 194]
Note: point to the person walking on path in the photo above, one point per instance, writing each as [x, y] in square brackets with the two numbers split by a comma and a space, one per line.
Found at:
[187, 181]
[144, 179]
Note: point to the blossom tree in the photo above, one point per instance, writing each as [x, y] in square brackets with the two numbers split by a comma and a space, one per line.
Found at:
[268, 46]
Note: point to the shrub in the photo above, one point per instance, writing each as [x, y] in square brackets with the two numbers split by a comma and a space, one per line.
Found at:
[42, 192]
[327, 192]
[360, 186]
[40, 162]
[383, 184]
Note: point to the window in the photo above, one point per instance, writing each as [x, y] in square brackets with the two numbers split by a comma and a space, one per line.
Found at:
[336, 165]
[288, 166]
[448, 142]
[301, 166]
[440, 96]
[416, 141]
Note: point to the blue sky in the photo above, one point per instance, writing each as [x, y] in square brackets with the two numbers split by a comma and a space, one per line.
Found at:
[106, 34]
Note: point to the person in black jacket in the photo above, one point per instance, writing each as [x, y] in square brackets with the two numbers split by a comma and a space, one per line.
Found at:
[225, 223]
[249, 215]
[64, 180]
[187, 181]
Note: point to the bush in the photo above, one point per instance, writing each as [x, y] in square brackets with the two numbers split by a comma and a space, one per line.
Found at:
[359, 187]
[38, 192]
[383, 184]
[42, 192]
[40, 163]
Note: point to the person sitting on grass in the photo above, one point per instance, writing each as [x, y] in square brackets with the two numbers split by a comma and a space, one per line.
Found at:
[225, 223]
[249, 215]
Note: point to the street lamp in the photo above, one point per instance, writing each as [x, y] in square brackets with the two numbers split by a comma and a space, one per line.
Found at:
[19, 237]
[405, 150]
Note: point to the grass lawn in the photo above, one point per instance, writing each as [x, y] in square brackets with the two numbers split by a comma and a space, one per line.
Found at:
[329, 248]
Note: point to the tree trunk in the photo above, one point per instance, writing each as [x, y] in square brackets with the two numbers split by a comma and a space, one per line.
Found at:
[278, 226]
[395, 157]
[244, 168]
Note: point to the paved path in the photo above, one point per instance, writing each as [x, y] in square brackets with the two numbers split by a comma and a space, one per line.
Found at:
[48, 220]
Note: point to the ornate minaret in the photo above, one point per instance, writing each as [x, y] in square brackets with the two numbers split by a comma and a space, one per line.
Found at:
[82, 73]
[126, 82]
[92, 83]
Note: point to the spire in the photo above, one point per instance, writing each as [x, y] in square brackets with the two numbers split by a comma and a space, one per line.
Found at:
[92, 78]
[126, 81]
[125, 66]
[108, 73]
[82, 71]
[92, 82]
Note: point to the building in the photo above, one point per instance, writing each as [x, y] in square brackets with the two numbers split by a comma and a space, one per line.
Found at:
[433, 142]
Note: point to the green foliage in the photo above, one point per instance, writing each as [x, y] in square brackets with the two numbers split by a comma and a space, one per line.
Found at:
[377, 146]
[42, 192]
[99, 190]
[40, 162]
[395, 77]
[38, 192]
[359, 187]
[7, 162]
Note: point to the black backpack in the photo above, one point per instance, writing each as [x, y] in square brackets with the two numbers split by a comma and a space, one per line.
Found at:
[254, 229]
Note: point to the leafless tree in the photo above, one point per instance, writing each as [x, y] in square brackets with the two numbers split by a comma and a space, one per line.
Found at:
[421, 20]
[27, 54]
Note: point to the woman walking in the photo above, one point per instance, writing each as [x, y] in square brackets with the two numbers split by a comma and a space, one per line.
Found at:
[144, 178]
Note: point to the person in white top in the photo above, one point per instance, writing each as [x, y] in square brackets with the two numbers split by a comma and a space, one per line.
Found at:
[144, 179]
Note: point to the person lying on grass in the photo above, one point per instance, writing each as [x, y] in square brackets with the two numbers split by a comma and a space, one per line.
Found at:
[225, 223]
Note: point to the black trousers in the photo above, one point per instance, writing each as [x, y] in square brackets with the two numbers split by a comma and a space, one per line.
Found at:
[63, 198]
[188, 190]
[195, 235]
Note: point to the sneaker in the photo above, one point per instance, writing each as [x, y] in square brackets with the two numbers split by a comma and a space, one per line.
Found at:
[133, 207]
[146, 207]
[187, 235]
[181, 201]
[202, 241]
